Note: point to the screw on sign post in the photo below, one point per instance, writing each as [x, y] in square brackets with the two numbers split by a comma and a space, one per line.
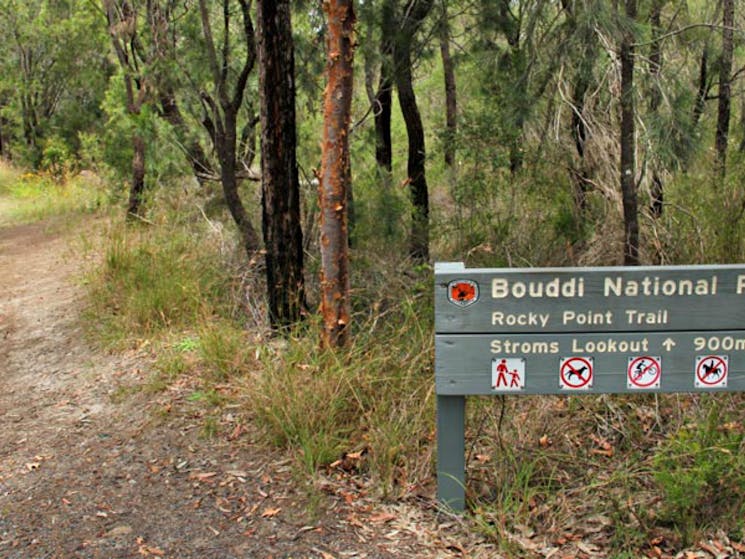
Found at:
[575, 373]
[644, 372]
[711, 371]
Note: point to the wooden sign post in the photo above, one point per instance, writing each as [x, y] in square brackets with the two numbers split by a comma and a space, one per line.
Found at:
[579, 331]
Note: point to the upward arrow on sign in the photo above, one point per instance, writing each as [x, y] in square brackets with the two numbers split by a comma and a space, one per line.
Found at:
[669, 344]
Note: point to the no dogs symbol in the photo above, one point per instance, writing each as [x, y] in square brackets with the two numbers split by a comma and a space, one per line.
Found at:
[575, 373]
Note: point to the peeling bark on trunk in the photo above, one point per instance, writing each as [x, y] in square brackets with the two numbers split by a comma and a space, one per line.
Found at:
[451, 102]
[283, 238]
[725, 85]
[335, 172]
[628, 145]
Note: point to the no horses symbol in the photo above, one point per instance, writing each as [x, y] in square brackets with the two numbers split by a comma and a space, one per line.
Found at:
[711, 371]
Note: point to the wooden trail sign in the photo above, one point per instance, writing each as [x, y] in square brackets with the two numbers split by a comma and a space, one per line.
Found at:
[579, 331]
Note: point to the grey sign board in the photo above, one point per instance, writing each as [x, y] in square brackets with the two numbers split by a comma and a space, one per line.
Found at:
[593, 299]
[580, 331]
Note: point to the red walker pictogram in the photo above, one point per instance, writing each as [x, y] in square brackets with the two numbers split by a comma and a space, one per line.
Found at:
[711, 371]
[576, 373]
[644, 372]
[508, 374]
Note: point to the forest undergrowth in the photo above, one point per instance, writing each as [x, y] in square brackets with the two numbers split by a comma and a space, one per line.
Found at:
[652, 470]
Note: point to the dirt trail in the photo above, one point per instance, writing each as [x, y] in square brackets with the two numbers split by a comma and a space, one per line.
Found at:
[86, 475]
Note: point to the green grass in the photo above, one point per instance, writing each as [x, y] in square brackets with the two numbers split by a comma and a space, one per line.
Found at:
[28, 197]
[155, 280]
[374, 397]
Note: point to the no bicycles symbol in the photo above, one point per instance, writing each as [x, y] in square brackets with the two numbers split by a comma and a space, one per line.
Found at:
[575, 373]
[644, 372]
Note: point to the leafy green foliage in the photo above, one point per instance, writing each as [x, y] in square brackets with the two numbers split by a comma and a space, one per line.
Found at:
[52, 74]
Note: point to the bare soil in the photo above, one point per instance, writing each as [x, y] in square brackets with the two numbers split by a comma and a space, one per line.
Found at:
[93, 467]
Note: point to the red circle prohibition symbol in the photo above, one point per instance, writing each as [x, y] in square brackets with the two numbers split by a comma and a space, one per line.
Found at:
[583, 366]
[704, 371]
[635, 376]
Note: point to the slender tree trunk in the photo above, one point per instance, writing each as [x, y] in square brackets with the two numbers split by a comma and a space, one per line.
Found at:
[703, 86]
[451, 102]
[725, 86]
[628, 145]
[742, 124]
[414, 13]
[137, 188]
[580, 175]
[419, 237]
[226, 143]
[655, 99]
[221, 111]
[384, 97]
[283, 237]
[335, 172]
[192, 149]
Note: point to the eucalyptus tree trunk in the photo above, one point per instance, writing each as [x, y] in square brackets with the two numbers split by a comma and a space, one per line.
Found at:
[122, 22]
[583, 79]
[283, 237]
[725, 84]
[414, 13]
[222, 107]
[655, 99]
[383, 101]
[703, 86]
[137, 188]
[335, 172]
[451, 100]
[628, 144]
[193, 151]
[160, 21]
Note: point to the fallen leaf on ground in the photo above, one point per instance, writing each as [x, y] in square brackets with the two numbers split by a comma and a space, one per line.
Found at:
[204, 476]
[269, 513]
[383, 517]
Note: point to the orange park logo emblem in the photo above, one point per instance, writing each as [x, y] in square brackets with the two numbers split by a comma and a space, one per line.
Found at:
[463, 292]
